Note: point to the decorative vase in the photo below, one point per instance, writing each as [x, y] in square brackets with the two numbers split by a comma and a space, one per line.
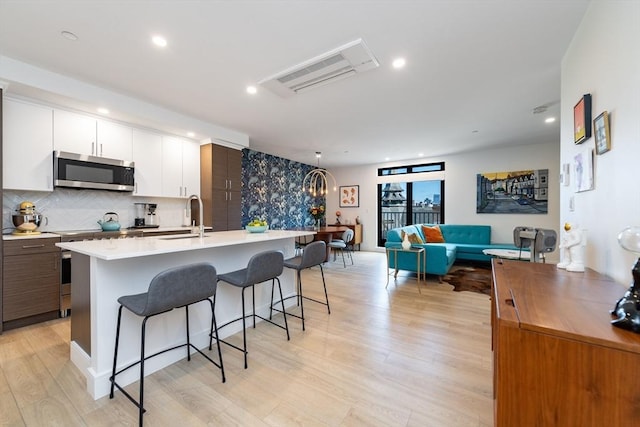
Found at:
[316, 224]
[406, 244]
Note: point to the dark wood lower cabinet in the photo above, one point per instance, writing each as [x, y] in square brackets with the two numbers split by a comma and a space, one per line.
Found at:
[31, 281]
[558, 361]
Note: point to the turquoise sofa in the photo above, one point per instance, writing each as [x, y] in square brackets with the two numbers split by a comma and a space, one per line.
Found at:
[462, 242]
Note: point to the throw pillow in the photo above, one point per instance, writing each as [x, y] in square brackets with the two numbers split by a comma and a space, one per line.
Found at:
[432, 234]
[413, 238]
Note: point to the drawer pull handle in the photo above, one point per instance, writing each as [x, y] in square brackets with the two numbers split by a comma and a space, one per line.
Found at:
[32, 246]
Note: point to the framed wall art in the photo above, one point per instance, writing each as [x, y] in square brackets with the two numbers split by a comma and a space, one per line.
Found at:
[583, 170]
[349, 196]
[513, 192]
[582, 120]
[601, 133]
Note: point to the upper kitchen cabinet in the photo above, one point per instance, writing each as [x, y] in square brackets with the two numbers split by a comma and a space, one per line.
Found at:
[84, 134]
[74, 133]
[221, 185]
[180, 167]
[27, 146]
[114, 141]
[147, 155]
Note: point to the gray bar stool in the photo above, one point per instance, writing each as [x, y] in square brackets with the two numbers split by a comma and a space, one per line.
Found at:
[314, 254]
[262, 266]
[173, 288]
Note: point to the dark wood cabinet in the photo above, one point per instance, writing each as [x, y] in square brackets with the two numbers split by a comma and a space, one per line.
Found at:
[557, 360]
[220, 186]
[31, 281]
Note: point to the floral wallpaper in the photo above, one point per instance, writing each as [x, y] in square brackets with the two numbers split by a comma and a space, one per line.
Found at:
[272, 190]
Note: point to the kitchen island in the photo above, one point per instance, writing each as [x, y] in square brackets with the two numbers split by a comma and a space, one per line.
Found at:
[104, 270]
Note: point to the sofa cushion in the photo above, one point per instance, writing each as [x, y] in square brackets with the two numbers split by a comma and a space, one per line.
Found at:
[432, 234]
[467, 234]
[413, 238]
[394, 235]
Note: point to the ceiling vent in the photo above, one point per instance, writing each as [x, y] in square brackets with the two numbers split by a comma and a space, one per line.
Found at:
[337, 64]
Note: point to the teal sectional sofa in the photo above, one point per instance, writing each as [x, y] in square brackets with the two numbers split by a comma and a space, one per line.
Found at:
[462, 242]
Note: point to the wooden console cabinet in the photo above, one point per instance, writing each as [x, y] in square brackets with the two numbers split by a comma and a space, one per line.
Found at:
[557, 360]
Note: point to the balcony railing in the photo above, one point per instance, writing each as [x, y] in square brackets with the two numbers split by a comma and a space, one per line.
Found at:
[394, 219]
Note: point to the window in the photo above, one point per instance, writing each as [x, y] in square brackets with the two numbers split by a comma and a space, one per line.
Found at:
[410, 195]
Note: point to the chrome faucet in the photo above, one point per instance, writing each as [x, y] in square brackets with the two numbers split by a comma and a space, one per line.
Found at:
[201, 222]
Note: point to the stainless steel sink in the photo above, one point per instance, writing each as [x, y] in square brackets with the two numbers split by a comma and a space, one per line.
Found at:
[181, 236]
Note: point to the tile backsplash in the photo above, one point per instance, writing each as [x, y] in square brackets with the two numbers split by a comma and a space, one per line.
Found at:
[71, 209]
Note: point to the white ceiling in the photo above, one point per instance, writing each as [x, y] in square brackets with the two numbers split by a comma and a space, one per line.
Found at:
[475, 69]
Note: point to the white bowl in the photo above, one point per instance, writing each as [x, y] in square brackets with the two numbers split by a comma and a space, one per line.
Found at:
[257, 228]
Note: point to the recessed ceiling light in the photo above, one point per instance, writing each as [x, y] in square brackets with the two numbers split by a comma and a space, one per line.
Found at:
[69, 35]
[191, 134]
[159, 41]
[252, 90]
[102, 110]
[399, 63]
[420, 154]
[550, 120]
[386, 159]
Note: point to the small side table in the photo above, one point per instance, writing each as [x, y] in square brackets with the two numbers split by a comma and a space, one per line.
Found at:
[421, 262]
[508, 254]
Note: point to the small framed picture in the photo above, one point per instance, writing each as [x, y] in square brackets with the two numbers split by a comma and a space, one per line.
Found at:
[350, 196]
[601, 133]
[582, 120]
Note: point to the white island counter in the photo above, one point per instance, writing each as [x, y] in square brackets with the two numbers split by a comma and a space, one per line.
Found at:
[104, 270]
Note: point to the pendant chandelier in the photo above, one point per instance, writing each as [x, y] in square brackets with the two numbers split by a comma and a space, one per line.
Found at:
[315, 182]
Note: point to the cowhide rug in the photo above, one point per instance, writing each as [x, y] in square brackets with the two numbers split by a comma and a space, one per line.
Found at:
[470, 278]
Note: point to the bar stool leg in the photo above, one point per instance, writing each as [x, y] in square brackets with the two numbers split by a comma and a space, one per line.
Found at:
[326, 296]
[141, 399]
[271, 305]
[253, 304]
[299, 298]
[284, 313]
[214, 328]
[115, 354]
[186, 309]
[244, 331]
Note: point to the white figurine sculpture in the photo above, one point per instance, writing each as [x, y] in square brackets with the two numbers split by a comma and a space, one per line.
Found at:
[572, 247]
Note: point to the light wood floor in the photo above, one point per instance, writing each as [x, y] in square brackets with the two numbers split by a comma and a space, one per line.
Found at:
[382, 358]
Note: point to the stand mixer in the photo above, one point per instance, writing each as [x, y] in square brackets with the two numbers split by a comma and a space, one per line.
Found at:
[27, 220]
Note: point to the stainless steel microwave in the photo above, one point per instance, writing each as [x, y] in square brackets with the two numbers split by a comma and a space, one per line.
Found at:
[84, 171]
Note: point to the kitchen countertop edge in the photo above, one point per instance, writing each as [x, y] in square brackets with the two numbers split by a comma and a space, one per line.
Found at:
[116, 249]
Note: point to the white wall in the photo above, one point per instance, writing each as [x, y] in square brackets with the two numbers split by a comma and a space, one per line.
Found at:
[604, 60]
[460, 190]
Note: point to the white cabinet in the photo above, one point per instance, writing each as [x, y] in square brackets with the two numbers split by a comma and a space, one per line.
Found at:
[84, 134]
[114, 141]
[27, 146]
[180, 167]
[191, 167]
[73, 132]
[147, 155]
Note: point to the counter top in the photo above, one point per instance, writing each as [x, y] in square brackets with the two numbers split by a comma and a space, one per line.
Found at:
[144, 231]
[114, 249]
[28, 236]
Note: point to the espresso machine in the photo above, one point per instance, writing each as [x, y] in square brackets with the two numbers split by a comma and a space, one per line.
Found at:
[146, 216]
[152, 218]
